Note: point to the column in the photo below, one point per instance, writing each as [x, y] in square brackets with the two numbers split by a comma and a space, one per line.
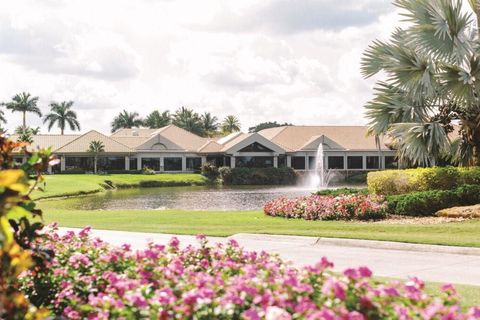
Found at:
[49, 170]
[275, 161]
[204, 160]
[307, 164]
[232, 162]
[139, 163]
[62, 163]
[184, 163]
[289, 161]
[127, 163]
[162, 164]
[345, 162]
[364, 162]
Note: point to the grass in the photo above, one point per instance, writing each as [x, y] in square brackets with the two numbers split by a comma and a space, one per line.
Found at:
[221, 223]
[76, 184]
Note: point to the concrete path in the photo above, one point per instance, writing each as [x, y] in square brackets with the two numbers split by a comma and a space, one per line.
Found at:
[387, 259]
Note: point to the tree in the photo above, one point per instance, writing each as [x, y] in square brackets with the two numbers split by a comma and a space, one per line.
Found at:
[230, 124]
[22, 130]
[432, 70]
[127, 120]
[24, 102]
[96, 147]
[189, 120]
[157, 120]
[267, 125]
[2, 117]
[209, 124]
[62, 114]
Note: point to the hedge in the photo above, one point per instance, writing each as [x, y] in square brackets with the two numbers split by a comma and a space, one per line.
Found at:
[427, 203]
[258, 176]
[390, 182]
[341, 191]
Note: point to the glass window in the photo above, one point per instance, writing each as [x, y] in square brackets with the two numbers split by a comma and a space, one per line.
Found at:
[298, 163]
[79, 163]
[256, 147]
[218, 161]
[173, 164]
[391, 162]
[355, 162]
[194, 164]
[312, 163]
[372, 162]
[151, 163]
[335, 162]
[282, 161]
[111, 163]
[254, 162]
[133, 164]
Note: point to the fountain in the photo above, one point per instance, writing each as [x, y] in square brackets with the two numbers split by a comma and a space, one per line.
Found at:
[320, 177]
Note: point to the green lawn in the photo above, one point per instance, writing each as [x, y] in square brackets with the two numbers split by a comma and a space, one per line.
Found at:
[220, 223]
[75, 184]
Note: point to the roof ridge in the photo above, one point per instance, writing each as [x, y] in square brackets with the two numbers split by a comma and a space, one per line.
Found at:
[93, 130]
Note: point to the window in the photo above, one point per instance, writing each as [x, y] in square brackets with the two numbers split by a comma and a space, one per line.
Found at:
[173, 164]
[194, 164]
[391, 162]
[255, 147]
[254, 162]
[133, 163]
[218, 161]
[282, 161]
[79, 163]
[151, 163]
[312, 163]
[335, 162]
[372, 162]
[298, 163]
[355, 162]
[111, 163]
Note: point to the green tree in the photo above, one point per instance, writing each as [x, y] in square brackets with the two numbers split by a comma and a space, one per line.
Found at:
[127, 120]
[230, 124]
[158, 120]
[189, 120]
[24, 102]
[62, 114]
[209, 124]
[432, 70]
[267, 125]
[96, 147]
[2, 117]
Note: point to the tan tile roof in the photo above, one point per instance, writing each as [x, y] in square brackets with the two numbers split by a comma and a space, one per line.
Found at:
[236, 140]
[211, 147]
[183, 138]
[82, 143]
[131, 142]
[132, 132]
[293, 138]
[53, 141]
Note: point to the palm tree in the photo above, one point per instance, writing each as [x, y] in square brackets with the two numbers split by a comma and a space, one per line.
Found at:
[126, 119]
[62, 114]
[230, 124]
[209, 124]
[189, 120]
[24, 102]
[157, 120]
[22, 130]
[2, 117]
[96, 147]
[432, 70]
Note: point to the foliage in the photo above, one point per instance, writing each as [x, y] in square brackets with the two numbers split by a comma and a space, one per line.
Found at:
[427, 203]
[210, 171]
[148, 171]
[431, 70]
[2, 117]
[25, 134]
[96, 147]
[62, 114]
[157, 120]
[95, 281]
[189, 120]
[127, 120]
[360, 177]
[258, 176]
[341, 191]
[209, 124]
[391, 182]
[267, 125]
[230, 124]
[24, 102]
[315, 207]
[17, 252]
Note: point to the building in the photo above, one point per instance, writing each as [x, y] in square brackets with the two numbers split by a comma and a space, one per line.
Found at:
[172, 149]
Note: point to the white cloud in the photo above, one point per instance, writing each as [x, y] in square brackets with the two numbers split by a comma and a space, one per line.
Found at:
[283, 60]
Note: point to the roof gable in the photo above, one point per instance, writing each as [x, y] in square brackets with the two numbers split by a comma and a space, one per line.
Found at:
[247, 139]
[82, 143]
[315, 141]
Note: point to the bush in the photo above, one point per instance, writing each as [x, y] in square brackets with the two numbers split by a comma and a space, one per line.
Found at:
[148, 171]
[92, 280]
[210, 171]
[390, 182]
[258, 176]
[314, 207]
[426, 203]
[341, 191]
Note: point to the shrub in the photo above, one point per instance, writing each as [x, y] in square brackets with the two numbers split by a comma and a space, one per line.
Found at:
[210, 171]
[314, 207]
[95, 281]
[258, 176]
[390, 182]
[341, 191]
[426, 203]
[148, 171]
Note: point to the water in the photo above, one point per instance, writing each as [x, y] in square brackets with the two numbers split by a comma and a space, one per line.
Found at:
[320, 177]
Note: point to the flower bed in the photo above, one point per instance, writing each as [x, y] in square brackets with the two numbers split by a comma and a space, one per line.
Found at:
[317, 207]
[89, 279]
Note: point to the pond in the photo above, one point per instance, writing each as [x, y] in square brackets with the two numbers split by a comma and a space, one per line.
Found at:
[188, 198]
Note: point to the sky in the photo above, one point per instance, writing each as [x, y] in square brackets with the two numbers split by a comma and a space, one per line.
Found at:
[293, 61]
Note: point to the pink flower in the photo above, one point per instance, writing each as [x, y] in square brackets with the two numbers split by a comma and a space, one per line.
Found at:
[276, 313]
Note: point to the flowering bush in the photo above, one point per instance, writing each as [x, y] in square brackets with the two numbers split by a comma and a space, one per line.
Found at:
[317, 207]
[91, 280]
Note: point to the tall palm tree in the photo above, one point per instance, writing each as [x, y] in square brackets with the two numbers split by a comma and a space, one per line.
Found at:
[209, 123]
[189, 120]
[62, 114]
[230, 124]
[2, 117]
[24, 102]
[432, 70]
[126, 119]
[95, 147]
[158, 120]
[30, 130]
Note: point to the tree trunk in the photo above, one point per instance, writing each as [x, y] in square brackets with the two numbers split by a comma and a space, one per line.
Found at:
[95, 165]
[61, 131]
[24, 120]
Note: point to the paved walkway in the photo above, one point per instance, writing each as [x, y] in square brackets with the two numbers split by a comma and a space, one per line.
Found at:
[387, 259]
